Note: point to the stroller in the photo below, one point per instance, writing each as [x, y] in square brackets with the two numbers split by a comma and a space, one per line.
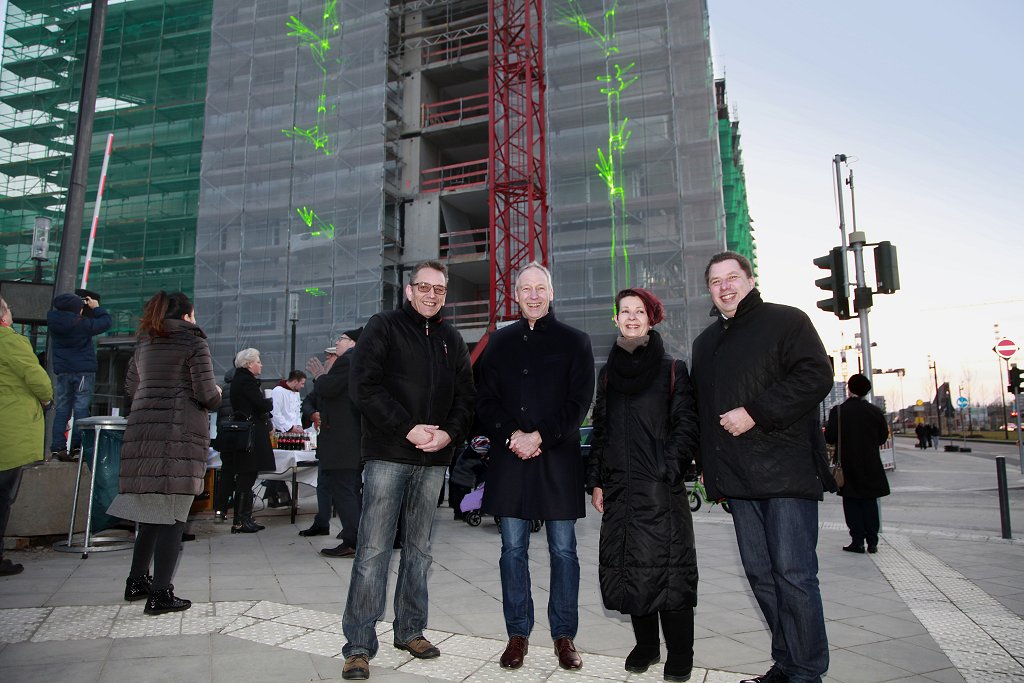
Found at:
[468, 475]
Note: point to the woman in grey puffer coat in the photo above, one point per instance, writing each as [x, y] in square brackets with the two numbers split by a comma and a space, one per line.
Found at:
[171, 386]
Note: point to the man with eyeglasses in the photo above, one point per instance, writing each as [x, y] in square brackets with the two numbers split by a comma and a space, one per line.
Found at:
[25, 393]
[536, 386]
[412, 381]
[759, 372]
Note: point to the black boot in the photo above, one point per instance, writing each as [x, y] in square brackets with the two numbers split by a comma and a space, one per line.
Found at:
[243, 517]
[678, 628]
[648, 645]
[137, 587]
[163, 601]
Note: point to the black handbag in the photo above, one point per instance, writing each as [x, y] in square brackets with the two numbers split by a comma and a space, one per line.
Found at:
[236, 436]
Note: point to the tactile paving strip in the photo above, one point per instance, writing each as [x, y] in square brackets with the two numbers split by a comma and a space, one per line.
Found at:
[982, 639]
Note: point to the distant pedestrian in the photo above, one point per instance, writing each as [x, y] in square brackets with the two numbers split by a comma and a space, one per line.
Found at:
[857, 428]
[760, 372]
[171, 386]
[25, 392]
[921, 432]
[933, 435]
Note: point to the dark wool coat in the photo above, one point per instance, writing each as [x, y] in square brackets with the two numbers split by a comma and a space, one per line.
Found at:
[338, 444]
[247, 400]
[642, 445]
[768, 359]
[409, 370]
[860, 428]
[536, 380]
[172, 386]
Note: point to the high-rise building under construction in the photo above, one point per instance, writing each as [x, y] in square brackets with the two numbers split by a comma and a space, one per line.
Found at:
[292, 160]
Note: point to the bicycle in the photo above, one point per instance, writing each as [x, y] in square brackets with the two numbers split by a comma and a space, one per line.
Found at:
[699, 494]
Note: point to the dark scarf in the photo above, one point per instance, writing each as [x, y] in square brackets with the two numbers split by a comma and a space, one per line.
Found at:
[630, 372]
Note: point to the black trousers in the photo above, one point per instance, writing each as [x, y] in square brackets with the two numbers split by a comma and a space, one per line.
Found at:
[9, 482]
[862, 519]
[158, 545]
[344, 488]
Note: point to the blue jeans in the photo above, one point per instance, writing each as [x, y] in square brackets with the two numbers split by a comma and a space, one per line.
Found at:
[390, 488]
[342, 490]
[516, 598]
[777, 539]
[73, 391]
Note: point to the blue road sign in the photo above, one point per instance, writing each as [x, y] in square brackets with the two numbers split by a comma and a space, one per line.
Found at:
[961, 402]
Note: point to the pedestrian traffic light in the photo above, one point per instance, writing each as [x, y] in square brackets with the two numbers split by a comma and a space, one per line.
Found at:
[1016, 385]
[887, 271]
[834, 262]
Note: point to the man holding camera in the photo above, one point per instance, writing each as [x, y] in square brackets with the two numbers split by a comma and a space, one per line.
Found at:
[73, 322]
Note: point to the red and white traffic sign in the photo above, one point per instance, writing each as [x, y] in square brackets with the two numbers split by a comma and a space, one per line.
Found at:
[1005, 348]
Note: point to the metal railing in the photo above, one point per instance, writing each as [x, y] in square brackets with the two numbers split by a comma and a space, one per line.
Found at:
[464, 243]
[454, 111]
[454, 176]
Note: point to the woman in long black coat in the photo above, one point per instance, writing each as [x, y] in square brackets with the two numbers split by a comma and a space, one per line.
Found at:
[644, 439]
[858, 428]
[248, 402]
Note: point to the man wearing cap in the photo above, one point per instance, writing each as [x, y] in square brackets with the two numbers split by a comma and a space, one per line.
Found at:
[74, 363]
[857, 428]
[339, 472]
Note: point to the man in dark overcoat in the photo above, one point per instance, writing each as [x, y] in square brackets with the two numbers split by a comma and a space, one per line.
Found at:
[338, 450]
[759, 372]
[858, 428]
[536, 384]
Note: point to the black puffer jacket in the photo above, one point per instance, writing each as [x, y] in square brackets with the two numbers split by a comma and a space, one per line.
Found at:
[339, 442]
[172, 386]
[768, 359]
[248, 401]
[410, 370]
[643, 444]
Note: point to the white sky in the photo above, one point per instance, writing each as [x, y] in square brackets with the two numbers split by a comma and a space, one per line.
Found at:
[926, 96]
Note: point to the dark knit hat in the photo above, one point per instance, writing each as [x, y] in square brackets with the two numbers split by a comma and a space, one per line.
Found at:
[655, 311]
[353, 334]
[859, 385]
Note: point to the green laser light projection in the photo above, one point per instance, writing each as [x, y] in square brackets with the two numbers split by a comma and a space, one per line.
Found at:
[319, 47]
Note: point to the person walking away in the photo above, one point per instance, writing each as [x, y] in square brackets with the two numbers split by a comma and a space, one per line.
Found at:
[248, 403]
[536, 386]
[857, 428]
[644, 439]
[171, 386]
[339, 447]
[25, 394]
[760, 372]
[412, 382]
[72, 324]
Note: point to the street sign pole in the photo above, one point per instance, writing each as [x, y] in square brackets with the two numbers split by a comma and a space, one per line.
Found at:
[1020, 447]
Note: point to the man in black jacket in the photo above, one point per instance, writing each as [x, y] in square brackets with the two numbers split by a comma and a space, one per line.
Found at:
[412, 381]
[858, 428]
[536, 386]
[759, 372]
[339, 470]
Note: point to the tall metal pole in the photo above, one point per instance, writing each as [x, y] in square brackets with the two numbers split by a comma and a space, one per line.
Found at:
[839, 159]
[71, 234]
[857, 241]
[938, 410]
[1002, 394]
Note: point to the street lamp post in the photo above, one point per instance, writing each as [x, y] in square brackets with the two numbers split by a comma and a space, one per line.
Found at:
[938, 410]
[293, 316]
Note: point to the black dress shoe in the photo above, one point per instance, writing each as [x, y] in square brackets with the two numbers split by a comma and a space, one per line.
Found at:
[162, 601]
[872, 549]
[137, 588]
[339, 551]
[8, 568]
[854, 548]
[185, 537]
[315, 531]
[515, 652]
[245, 527]
[568, 657]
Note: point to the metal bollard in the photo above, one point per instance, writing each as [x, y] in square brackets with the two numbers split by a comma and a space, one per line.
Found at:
[1004, 498]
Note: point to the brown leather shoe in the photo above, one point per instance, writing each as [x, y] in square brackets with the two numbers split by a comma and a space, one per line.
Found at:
[420, 648]
[568, 657]
[357, 668]
[515, 652]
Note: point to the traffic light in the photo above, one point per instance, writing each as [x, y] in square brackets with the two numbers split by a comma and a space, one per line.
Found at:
[1016, 385]
[887, 270]
[834, 262]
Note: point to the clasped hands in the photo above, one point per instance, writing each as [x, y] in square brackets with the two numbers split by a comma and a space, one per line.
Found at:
[524, 445]
[428, 438]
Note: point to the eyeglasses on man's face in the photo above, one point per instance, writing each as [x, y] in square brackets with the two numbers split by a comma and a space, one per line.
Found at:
[424, 287]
